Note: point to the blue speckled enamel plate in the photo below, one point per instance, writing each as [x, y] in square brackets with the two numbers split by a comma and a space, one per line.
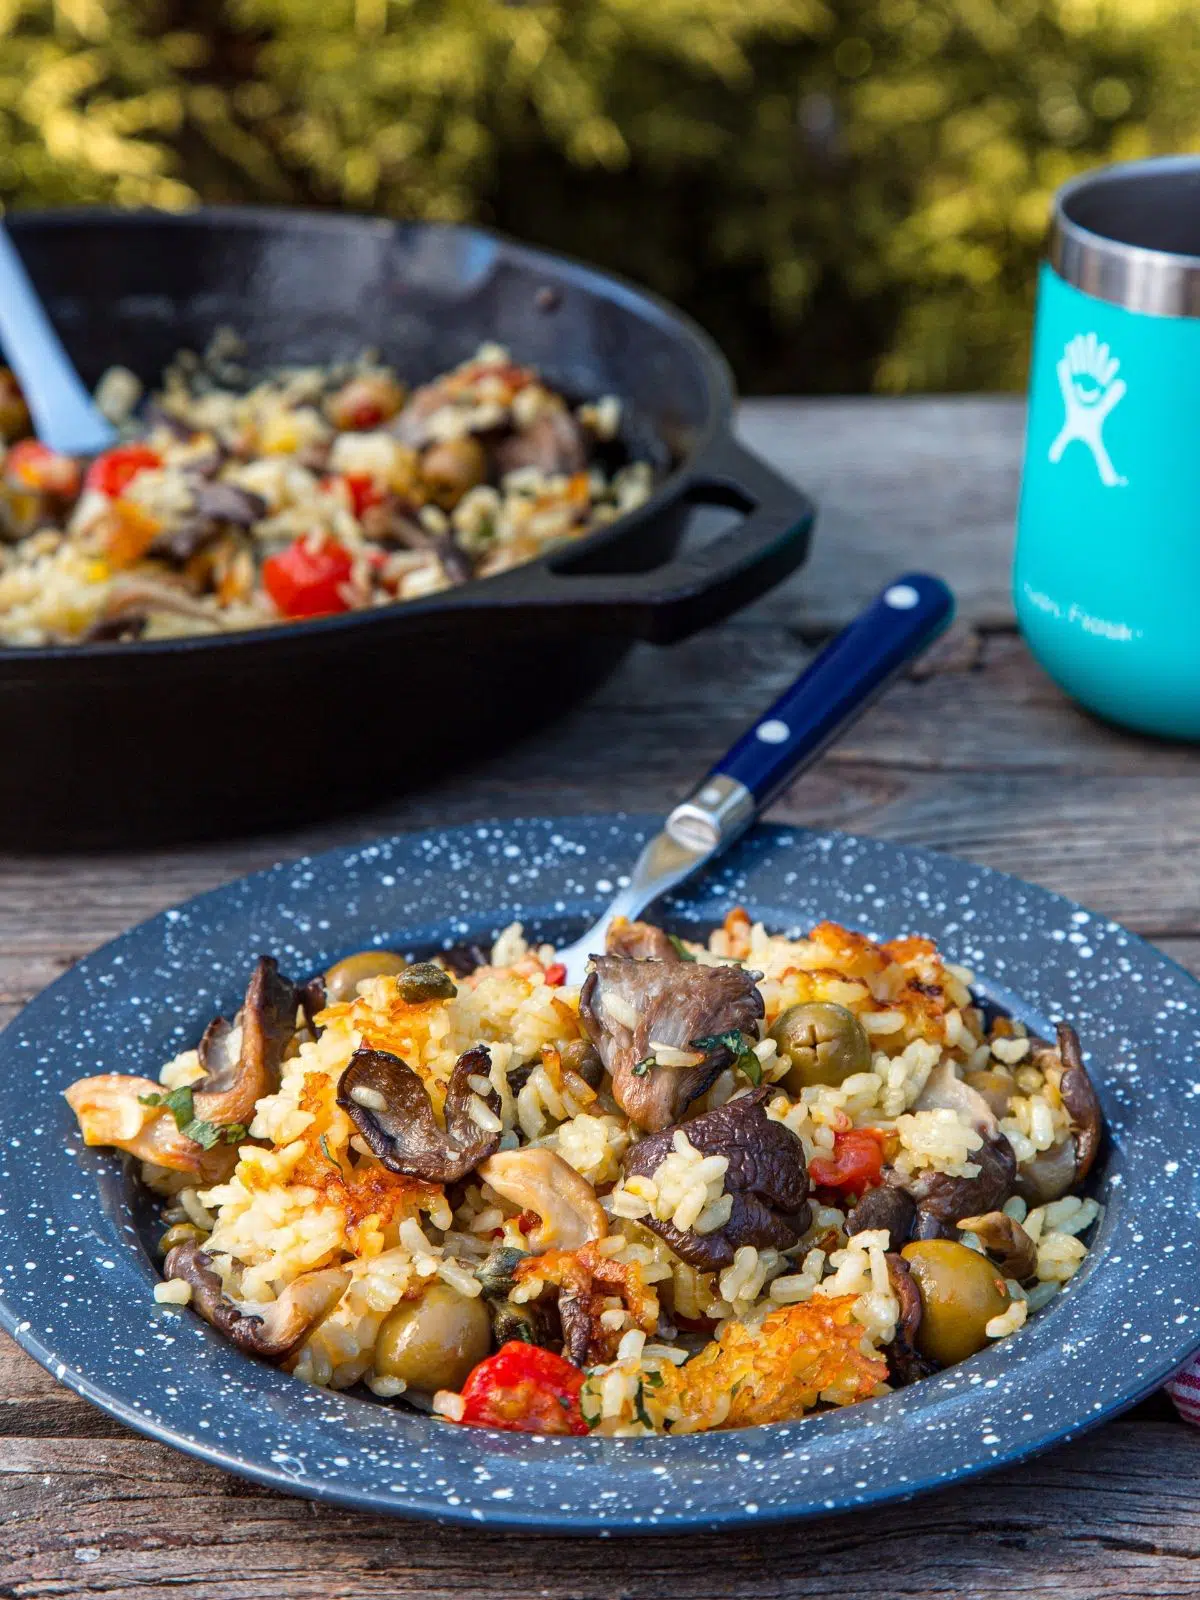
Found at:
[77, 1270]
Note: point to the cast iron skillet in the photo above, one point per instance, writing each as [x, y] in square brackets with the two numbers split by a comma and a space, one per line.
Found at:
[112, 743]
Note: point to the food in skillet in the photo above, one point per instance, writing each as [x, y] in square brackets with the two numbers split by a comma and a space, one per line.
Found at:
[316, 490]
[720, 1185]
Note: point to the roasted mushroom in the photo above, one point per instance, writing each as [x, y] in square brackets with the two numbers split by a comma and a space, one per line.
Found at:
[640, 941]
[630, 1008]
[235, 1081]
[554, 444]
[1005, 1240]
[274, 1334]
[226, 503]
[1079, 1097]
[538, 1180]
[942, 1199]
[391, 1108]
[116, 1110]
[885, 1207]
[767, 1179]
[905, 1362]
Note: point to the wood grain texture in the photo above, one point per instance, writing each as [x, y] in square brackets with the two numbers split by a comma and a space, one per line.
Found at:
[1109, 1518]
[976, 752]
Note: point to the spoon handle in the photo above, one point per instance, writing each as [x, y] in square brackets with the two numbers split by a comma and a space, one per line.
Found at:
[831, 693]
[64, 414]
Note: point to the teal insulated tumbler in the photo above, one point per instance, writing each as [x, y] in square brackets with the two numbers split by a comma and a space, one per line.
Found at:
[1107, 574]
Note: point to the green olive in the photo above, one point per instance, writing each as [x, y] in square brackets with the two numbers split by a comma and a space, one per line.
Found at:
[433, 1343]
[995, 1087]
[961, 1291]
[181, 1233]
[449, 469]
[343, 978]
[824, 1044]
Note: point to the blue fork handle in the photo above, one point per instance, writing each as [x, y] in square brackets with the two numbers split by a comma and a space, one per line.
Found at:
[838, 686]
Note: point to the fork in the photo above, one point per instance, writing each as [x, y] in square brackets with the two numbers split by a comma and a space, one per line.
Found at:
[829, 695]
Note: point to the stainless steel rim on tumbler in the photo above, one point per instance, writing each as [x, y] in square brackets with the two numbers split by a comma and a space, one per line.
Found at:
[1130, 235]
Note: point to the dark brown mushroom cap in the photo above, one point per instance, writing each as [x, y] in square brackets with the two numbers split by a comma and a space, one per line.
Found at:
[279, 1331]
[235, 1082]
[554, 443]
[640, 941]
[673, 1003]
[767, 1178]
[1006, 1241]
[225, 502]
[394, 522]
[905, 1362]
[404, 1134]
[892, 1209]
[1079, 1097]
[942, 1199]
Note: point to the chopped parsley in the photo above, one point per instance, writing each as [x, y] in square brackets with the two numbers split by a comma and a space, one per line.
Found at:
[644, 1067]
[639, 1406]
[323, 1141]
[681, 950]
[180, 1104]
[739, 1047]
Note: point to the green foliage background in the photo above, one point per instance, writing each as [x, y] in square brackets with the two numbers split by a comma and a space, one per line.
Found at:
[850, 194]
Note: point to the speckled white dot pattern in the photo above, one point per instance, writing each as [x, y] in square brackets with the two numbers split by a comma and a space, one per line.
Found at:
[76, 1233]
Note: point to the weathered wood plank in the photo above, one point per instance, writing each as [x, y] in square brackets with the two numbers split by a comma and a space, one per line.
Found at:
[900, 484]
[1116, 1515]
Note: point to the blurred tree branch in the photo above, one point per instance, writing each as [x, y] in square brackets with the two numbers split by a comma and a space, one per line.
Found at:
[849, 195]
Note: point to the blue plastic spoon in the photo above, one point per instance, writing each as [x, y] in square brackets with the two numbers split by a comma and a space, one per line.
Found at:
[831, 693]
[65, 416]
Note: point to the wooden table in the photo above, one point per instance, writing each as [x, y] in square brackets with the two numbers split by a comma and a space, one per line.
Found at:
[975, 753]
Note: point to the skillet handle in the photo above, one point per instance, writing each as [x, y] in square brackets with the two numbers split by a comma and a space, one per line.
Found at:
[695, 588]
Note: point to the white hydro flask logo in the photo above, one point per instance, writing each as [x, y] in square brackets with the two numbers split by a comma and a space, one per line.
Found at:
[1087, 376]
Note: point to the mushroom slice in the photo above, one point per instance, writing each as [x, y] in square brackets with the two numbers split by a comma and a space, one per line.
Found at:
[225, 502]
[1006, 1241]
[1048, 1175]
[941, 1199]
[111, 1111]
[235, 1082]
[391, 1108]
[767, 1180]
[625, 1004]
[554, 443]
[274, 1334]
[640, 941]
[541, 1181]
[905, 1362]
[1078, 1094]
[885, 1207]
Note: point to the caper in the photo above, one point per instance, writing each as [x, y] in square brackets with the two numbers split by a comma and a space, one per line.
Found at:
[995, 1087]
[582, 1058]
[423, 981]
[824, 1044]
[343, 978]
[961, 1291]
[496, 1272]
[181, 1233]
[433, 1343]
[449, 469]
